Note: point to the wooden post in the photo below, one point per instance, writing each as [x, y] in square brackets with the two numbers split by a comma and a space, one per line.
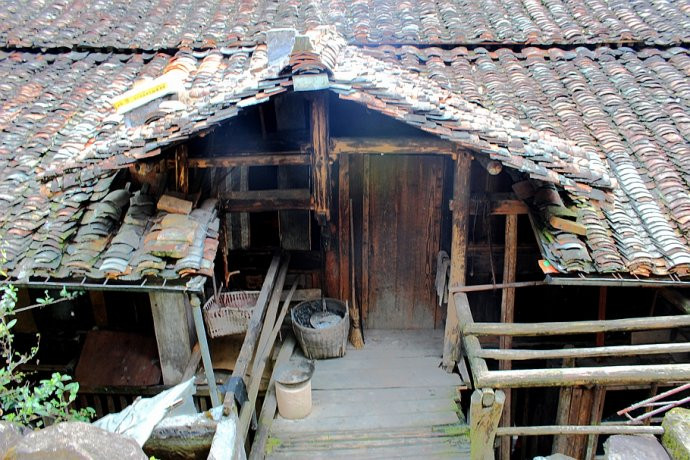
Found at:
[172, 329]
[460, 209]
[182, 169]
[508, 316]
[602, 314]
[344, 226]
[100, 313]
[485, 412]
[319, 160]
[595, 419]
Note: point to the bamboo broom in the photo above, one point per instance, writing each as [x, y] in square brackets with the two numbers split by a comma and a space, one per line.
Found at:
[356, 330]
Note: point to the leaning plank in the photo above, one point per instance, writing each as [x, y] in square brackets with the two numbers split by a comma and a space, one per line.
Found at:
[268, 409]
[547, 430]
[253, 330]
[577, 327]
[260, 361]
[623, 350]
[192, 363]
[608, 375]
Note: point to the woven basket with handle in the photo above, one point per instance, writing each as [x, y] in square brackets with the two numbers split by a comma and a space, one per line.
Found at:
[228, 313]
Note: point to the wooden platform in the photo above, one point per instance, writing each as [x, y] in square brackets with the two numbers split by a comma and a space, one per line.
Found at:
[388, 400]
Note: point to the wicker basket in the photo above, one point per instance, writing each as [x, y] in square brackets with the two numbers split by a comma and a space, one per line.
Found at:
[329, 342]
[229, 312]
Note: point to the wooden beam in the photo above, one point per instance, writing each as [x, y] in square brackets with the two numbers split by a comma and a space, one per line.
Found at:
[266, 200]
[321, 192]
[578, 327]
[508, 316]
[589, 352]
[485, 413]
[491, 287]
[550, 430]
[458, 256]
[387, 146]
[499, 204]
[605, 375]
[294, 157]
[172, 330]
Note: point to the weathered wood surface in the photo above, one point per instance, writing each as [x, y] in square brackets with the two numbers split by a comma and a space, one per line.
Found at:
[172, 328]
[508, 316]
[373, 402]
[485, 412]
[549, 430]
[458, 256]
[344, 226]
[386, 146]
[588, 352]
[175, 205]
[253, 330]
[578, 327]
[321, 187]
[405, 194]
[498, 204]
[182, 169]
[250, 159]
[266, 200]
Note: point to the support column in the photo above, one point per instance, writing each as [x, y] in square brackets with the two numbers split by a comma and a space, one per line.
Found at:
[320, 167]
[508, 316]
[458, 256]
[485, 412]
[171, 324]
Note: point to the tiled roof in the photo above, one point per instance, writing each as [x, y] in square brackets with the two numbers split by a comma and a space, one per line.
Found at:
[165, 24]
[609, 127]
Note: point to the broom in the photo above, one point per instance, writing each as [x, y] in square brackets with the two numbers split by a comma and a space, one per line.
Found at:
[356, 331]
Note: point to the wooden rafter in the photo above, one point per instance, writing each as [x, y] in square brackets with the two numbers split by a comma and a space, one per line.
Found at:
[386, 146]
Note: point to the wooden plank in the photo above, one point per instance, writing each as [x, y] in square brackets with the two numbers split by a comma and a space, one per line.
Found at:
[384, 146]
[601, 316]
[567, 225]
[193, 363]
[366, 250]
[382, 378]
[266, 200]
[367, 451]
[578, 327]
[458, 257]
[321, 192]
[334, 407]
[364, 422]
[172, 334]
[368, 362]
[253, 330]
[365, 395]
[595, 419]
[508, 316]
[588, 352]
[498, 204]
[294, 225]
[293, 157]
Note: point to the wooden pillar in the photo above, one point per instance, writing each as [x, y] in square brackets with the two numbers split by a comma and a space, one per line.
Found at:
[320, 167]
[508, 316]
[100, 313]
[602, 314]
[485, 412]
[595, 419]
[182, 169]
[461, 213]
[172, 326]
[344, 226]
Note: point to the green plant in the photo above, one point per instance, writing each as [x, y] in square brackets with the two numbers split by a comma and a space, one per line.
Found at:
[21, 402]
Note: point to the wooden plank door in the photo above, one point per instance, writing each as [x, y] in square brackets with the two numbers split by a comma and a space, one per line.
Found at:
[402, 221]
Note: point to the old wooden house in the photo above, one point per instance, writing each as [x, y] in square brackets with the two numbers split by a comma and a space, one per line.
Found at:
[502, 189]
